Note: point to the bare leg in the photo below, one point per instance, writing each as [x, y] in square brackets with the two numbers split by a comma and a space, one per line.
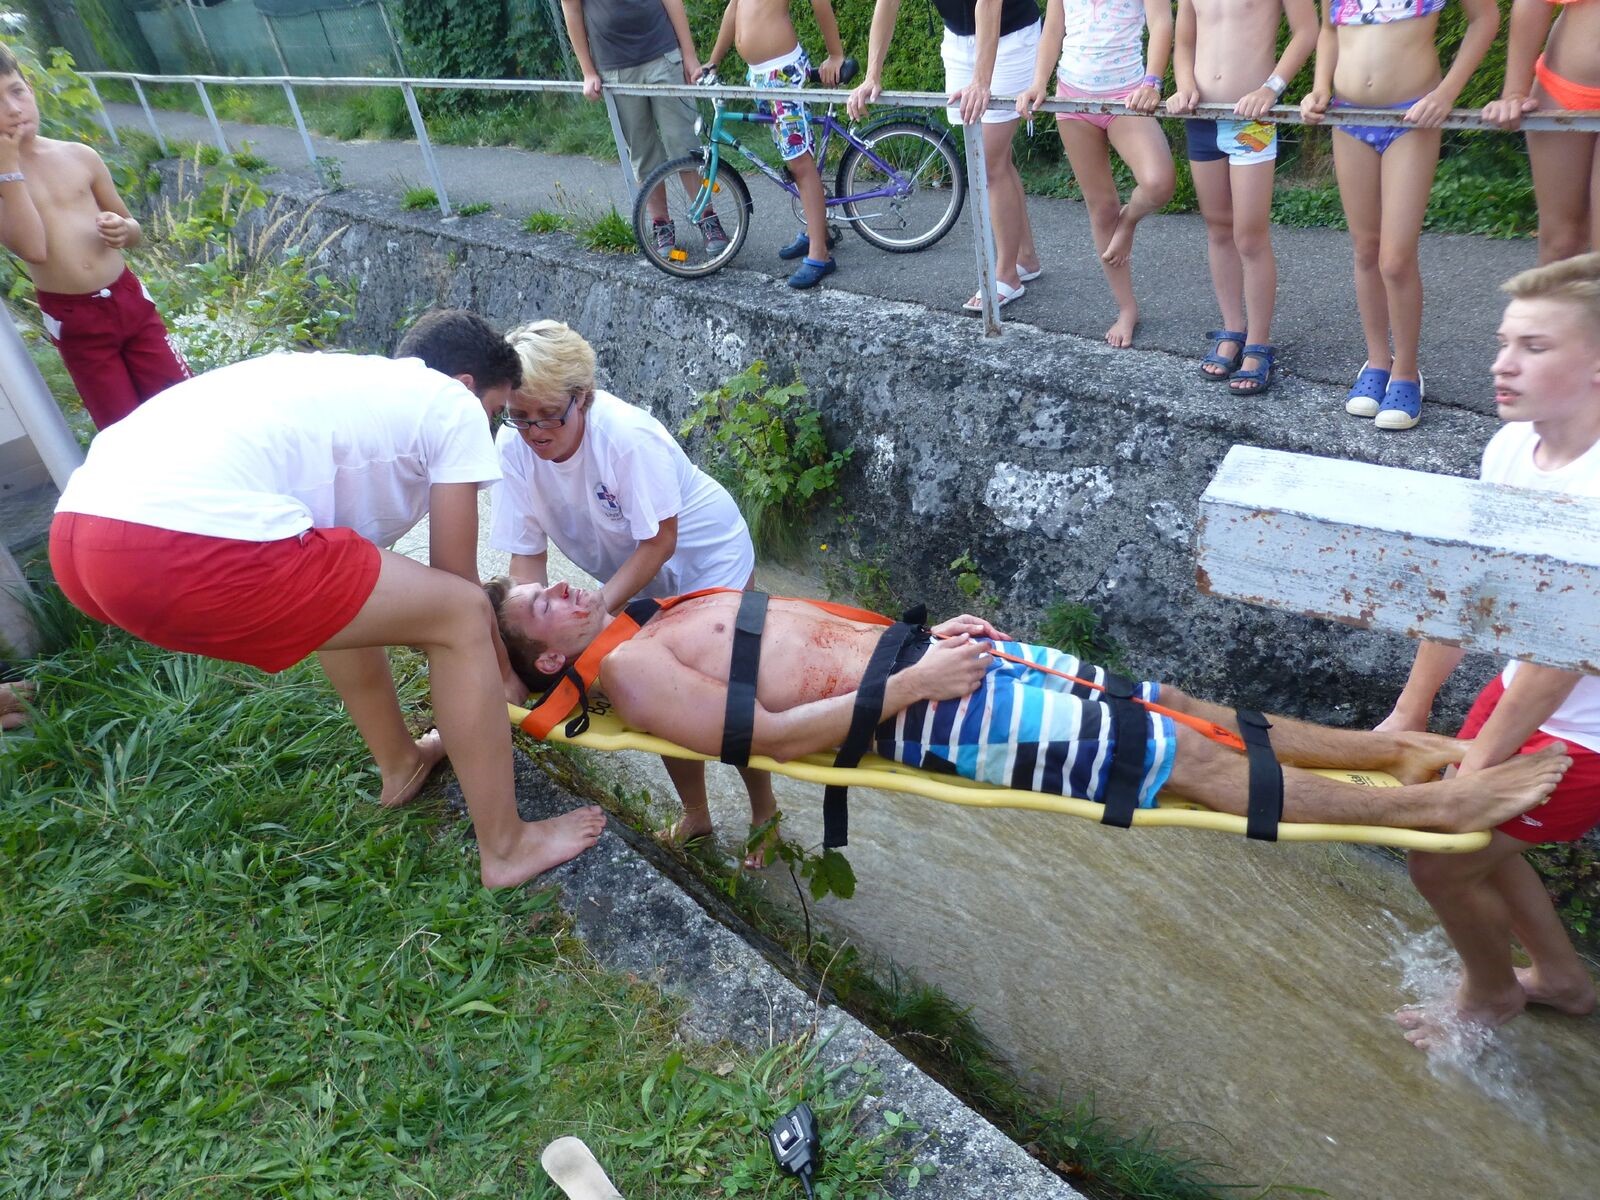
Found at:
[1252, 237]
[1407, 176]
[688, 777]
[1008, 208]
[763, 806]
[1215, 776]
[362, 679]
[1212, 188]
[1143, 147]
[1356, 165]
[1482, 900]
[1089, 156]
[1561, 187]
[814, 202]
[448, 617]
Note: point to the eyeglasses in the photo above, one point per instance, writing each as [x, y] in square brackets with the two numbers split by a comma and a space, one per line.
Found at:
[540, 422]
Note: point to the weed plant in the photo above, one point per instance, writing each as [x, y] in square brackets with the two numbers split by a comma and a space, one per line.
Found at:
[419, 199]
[766, 446]
[476, 209]
[542, 220]
[224, 972]
[608, 233]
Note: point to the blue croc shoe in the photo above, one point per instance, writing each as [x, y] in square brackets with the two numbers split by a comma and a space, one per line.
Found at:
[802, 245]
[811, 272]
[1366, 395]
[1402, 404]
[1215, 359]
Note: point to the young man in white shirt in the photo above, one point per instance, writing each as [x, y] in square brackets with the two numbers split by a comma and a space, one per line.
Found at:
[240, 515]
[1547, 389]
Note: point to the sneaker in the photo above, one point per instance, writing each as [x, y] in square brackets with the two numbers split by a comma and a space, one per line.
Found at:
[811, 272]
[664, 236]
[711, 229]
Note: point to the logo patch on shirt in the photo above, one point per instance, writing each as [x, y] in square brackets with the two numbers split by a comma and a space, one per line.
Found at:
[608, 503]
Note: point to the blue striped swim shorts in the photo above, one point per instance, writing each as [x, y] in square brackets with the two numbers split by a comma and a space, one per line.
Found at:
[1028, 730]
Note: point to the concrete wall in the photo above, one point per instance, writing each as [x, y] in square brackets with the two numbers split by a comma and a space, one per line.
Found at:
[1068, 470]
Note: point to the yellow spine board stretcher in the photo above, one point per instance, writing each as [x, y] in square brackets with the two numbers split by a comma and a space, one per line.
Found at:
[607, 732]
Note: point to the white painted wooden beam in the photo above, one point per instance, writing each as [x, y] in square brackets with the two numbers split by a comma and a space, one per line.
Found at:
[1504, 570]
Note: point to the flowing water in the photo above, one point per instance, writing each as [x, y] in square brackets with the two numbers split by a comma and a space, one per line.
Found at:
[1235, 995]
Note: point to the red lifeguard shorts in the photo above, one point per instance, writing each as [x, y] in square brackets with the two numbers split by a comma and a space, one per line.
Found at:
[115, 347]
[1573, 808]
[268, 604]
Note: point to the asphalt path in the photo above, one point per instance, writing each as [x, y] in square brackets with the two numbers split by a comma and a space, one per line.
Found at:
[1316, 328]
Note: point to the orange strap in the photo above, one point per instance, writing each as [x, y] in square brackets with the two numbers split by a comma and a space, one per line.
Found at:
[1210, 729]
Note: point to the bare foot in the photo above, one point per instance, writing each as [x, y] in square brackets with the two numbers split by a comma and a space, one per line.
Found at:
[1120, 335]
[765, 852]
[1460, 1021]
[1575, 996]
[1494, 795]
[681, 832]
[545, 844]
[1120, 248]
[1422, 756]
[13, 720]
[402, 787]
[14, 699]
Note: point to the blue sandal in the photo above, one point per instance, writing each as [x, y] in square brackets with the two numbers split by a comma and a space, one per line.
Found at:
[810, 272]
[1214, 359]
[1402, 404]
[1366, 394]
[1259, 377]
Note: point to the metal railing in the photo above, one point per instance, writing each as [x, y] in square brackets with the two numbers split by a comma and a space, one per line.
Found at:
[1578, 122]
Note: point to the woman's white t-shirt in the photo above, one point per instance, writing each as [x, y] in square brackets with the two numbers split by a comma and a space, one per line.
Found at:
[1508, 459]
[627, 476]
[267, 448]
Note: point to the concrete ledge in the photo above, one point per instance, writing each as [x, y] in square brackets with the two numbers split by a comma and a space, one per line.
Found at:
[634, 919]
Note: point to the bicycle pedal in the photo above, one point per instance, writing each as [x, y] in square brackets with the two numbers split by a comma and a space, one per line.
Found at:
[677, 255]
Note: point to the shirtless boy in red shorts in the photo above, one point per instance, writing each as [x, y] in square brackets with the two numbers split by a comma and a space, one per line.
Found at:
[61, 214]
[1547, 389]
[243, 518]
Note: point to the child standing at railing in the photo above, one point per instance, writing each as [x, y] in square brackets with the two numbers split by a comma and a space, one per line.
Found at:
[1100, 47]
[1226, 53]
[764, 36]
[1382, 54]
[1566, 164]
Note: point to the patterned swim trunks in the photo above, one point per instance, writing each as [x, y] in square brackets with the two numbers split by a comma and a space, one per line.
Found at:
[1240, 142]
[791, 128]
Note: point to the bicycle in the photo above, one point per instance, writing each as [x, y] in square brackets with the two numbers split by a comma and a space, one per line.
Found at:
[900, 184]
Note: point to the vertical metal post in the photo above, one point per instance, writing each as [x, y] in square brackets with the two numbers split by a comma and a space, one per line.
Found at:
[630, 181]
[211, 113]
[35, 406]
[982, 234]
[394, 43]
[305, 135]
[105, 117]
[205, 42]
[427, 148]
[150, 116]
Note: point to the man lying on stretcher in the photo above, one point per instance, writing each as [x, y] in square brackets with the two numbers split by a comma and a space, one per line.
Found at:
[962, 697]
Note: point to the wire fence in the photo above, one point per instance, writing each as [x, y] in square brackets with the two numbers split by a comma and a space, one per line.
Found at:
[1466, 119]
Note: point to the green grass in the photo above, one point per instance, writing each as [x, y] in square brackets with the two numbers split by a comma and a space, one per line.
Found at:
[608, 233]
[223, 971]
[418, 199]
[476, 209]
[542, 220]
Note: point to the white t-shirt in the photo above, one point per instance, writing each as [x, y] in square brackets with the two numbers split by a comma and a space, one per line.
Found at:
[267, 448]
[625, 478]
[1102, 49]
[1508, 459]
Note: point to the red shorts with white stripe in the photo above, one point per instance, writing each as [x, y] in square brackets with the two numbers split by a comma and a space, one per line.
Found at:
[268, 604]
[1573, 808]
[115, 346]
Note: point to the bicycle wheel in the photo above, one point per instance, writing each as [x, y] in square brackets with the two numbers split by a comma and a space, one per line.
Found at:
[693, 252]
[926, 181]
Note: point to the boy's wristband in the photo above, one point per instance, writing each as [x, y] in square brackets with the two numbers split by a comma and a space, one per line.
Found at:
[11, 177]
[1277, 83]
[1152, 81]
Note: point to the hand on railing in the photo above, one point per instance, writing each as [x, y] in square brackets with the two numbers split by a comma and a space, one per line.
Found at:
[866, 92]
[1508, 111]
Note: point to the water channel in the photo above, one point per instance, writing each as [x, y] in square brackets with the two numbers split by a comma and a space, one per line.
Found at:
[1235, 995]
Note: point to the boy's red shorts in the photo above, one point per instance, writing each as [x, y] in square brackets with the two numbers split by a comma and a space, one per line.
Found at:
[1574, 808]
[268, 604]
[115, 347]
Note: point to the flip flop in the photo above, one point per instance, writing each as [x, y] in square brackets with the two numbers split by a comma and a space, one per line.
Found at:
[1004, 295]
[576, 1172]
[1029, 276]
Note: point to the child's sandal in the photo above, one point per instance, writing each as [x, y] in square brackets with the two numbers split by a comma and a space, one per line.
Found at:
[1215, 359]
[1256, 379]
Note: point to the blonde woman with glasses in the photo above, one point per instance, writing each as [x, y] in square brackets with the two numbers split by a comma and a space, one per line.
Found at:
[607, 483]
